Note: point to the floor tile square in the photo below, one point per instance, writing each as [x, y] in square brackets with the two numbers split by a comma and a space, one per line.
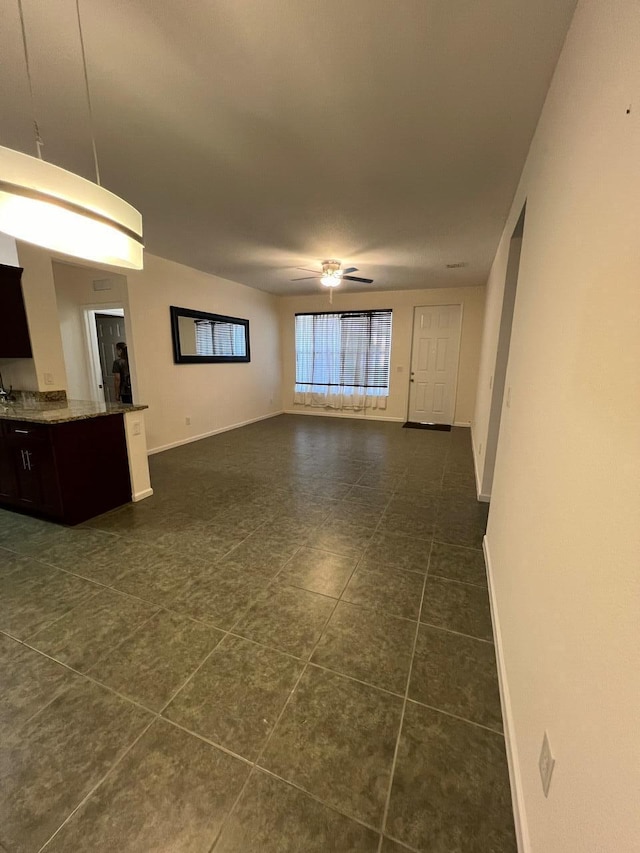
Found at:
[286, 618]
[150, 665]
[236, 696]
[318, 571]
[88, 632]
[458, 564]
[29, 681]
[171, 792]
[336, 740]
[274, 817]
[396, 593]
[458, 607]
[346, 539]
[369, 496]
[37, 595]
[218, 594]
[117, 557]
[370, 646]
[450, 791]
[396, 551]
[457, 674]
[57, 757]
[256, 557]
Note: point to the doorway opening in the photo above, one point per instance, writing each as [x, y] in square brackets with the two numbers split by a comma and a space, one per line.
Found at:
[106, 333]
[435, 353]
[498, 379]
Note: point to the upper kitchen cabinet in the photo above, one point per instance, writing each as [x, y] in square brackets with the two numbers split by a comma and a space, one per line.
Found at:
[14, 337]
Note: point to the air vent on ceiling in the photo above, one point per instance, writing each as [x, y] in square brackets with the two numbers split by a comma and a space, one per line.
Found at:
[103, 284]
[457, 266]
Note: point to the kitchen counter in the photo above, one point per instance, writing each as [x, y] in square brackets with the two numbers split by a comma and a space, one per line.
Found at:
[36, 412]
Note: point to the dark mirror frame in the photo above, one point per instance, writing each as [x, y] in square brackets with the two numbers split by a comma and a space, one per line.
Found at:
[178, 356]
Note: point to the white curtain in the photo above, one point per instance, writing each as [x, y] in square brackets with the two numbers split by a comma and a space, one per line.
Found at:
[327, 351]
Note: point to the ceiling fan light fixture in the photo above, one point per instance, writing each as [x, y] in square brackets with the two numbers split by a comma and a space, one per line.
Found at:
[330, 279]
[43, 204]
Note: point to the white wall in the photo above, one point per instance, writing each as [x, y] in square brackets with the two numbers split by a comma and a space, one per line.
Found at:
[74, 293]
[402, 303]
[214, 396]
[564, 526]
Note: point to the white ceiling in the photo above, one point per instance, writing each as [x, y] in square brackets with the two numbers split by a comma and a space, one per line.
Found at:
[257, 136]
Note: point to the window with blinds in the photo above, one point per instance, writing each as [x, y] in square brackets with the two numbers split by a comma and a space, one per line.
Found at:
[343, 352]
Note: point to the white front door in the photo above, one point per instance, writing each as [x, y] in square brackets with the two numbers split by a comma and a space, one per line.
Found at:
[434, 363]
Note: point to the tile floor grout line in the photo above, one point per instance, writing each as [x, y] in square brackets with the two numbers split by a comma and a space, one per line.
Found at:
[482, 585]
[315, 797]
[204, 739]
[457, 633]
[280, 715]
[90, 793]
[396, 751]
[266, 743]
[90, 678]
[227, 632]
[455, 716]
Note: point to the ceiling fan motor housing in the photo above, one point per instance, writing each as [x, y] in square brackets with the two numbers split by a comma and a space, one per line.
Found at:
[331, 267]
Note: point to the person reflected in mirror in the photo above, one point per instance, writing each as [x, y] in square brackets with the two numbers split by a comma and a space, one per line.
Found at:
[121, 375]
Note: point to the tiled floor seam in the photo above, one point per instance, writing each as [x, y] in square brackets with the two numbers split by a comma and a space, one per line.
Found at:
[385, 813]
[282, 711]
[98, 784]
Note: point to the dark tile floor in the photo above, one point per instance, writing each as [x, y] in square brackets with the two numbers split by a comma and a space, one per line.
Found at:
[287, 648]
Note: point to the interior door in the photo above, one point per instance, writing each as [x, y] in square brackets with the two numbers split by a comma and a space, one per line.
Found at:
[110, 329]
[434, 363]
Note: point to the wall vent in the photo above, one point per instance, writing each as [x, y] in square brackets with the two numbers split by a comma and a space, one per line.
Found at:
[103, 284]
[457, 266]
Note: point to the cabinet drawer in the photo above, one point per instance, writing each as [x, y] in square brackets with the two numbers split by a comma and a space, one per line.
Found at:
[26, 431]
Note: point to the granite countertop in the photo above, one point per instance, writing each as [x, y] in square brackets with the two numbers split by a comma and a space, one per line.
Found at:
[63, 411]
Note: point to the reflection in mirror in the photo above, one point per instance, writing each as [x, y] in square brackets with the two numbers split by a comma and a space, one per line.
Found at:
[203, 337]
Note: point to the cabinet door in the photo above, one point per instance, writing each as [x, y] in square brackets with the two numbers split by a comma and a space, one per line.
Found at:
[14, 340]
[35, 470]
[7, 471]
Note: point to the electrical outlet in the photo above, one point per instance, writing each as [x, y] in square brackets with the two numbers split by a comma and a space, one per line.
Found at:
[136, 428]
[546, 763]
[399, 369]
[48, 378]
[187, 421]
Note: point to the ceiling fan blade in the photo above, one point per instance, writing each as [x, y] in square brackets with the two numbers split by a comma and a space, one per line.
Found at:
[349, 269]
[305, 277]
[306, 269]
[355, 278]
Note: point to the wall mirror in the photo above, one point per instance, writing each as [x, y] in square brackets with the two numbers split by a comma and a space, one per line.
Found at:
[199, 337]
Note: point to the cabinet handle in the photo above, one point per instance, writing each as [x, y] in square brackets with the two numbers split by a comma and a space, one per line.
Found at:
[28, 455]
[22, 431]
[23, 462]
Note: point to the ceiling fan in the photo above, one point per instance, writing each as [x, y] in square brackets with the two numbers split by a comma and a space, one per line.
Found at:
[331, 274]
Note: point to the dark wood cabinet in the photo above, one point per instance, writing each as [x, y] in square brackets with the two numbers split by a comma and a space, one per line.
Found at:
[15, 341]
[68, 471]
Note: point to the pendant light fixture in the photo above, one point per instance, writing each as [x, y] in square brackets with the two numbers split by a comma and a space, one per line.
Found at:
[43, 204]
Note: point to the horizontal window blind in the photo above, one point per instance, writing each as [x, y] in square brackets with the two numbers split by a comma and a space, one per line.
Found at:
[216, 338]
[343, 350]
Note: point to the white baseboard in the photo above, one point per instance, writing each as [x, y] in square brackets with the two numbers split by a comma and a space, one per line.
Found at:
[462, 423]
[515, 775]
[336, 414]
[140, 496]
[202, 435]
[482, 497]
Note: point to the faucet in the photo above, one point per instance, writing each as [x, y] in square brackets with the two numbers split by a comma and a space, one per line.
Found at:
[5, 396]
